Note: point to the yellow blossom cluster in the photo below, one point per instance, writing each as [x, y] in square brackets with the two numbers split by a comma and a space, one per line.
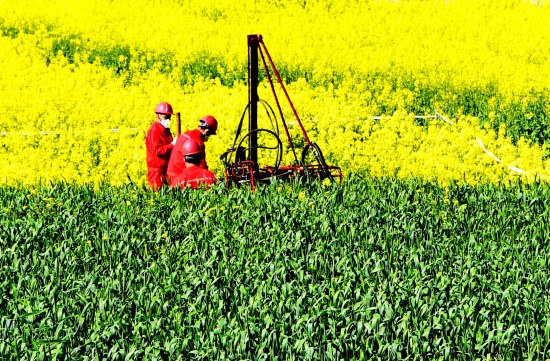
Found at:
[80, 81]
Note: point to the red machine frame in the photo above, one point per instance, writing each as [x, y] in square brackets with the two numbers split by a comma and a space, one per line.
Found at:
[244, 168]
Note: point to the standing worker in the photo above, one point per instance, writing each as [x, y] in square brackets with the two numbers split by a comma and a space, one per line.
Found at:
[159, 144]
[193, 175]
[208, 125]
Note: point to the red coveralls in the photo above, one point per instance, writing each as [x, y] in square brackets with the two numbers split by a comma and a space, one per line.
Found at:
[158, 142]
[193, 177]
[177, 159]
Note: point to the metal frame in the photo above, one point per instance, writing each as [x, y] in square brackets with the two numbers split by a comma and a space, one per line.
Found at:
[244, 169]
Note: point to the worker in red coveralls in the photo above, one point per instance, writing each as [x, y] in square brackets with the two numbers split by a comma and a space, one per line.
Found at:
[193, 175]
[159, 144]
[208, 125]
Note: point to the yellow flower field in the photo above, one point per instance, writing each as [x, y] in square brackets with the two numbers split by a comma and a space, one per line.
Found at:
[80, 81]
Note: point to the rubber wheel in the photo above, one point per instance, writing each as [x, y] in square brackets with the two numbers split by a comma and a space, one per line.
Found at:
[312, 156]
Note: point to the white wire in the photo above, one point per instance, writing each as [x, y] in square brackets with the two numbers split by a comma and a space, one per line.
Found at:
[437, 115]
[57, 132]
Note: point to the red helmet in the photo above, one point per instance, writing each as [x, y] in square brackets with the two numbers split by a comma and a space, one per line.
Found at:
[209, 122]
[164, 108]
[190, 147]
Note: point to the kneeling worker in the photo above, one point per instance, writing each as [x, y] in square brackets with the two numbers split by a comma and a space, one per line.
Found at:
[207, 127]
[193, 175]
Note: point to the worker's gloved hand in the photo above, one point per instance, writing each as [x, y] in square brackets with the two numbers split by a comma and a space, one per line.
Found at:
[174, 141]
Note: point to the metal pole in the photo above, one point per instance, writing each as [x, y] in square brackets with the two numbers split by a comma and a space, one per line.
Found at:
[253, 41]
